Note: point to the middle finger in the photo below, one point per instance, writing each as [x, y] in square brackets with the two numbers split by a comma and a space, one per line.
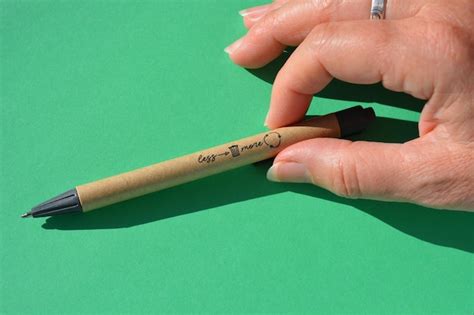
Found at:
[292, 22]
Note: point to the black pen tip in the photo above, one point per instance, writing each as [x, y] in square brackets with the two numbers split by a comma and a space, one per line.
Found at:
[26, 215]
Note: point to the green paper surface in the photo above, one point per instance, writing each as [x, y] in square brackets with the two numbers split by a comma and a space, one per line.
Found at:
[95, 88]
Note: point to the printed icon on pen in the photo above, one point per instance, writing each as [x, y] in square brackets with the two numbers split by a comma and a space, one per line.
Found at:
[181, 170]
[272, 139]
[234, 149]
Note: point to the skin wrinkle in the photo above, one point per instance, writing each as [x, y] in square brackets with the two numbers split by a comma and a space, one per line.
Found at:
[300, 85]
[434, 185]
[410, 166]
[441, 183]
[437, 12]
[446, 116]
[349, 175]
[352, 172]
[428, 119]
[402, 193]
[448, 45]
[249, 23]
[407, 80]
[284, 28]
[391, 74]
[392, 77]
[321, 40]
[457, 53]
[334, 163]
[466, 195]
[324, 9]
[339, 183]
[418, 11]
[424, 48]
[277, 20]
[408, 159]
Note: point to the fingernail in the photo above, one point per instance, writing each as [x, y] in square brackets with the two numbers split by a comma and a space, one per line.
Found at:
[259, 10]
[291, 172]
[234, 46]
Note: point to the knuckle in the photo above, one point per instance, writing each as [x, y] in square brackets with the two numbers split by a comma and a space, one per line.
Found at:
[346, 180]
[274, 24]
[382, 39]
[320, 36]
[450, 42]
[261, 27]
[321, 6]
[269, 24]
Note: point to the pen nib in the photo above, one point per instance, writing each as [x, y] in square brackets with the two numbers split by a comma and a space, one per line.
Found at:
[26, 215]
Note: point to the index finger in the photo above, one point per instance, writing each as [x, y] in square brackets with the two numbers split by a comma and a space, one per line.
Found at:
[362, 52]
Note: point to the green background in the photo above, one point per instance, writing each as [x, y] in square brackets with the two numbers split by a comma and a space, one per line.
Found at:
[94, 88]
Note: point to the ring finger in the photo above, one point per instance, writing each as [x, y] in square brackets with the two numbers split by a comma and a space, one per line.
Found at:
[289, 24]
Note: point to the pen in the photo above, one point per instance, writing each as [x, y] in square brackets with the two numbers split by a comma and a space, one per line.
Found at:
[107, 191]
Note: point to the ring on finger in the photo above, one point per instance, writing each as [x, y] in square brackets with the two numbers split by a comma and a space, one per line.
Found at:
[377, 10]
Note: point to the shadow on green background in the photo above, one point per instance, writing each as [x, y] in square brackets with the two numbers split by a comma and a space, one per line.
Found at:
[95, 87]
[445, 228]
[373, 93]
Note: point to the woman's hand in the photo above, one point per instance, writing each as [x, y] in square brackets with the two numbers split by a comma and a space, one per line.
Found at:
[424, 48]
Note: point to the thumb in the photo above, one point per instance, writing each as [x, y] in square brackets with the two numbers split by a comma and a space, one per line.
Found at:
[350, 169]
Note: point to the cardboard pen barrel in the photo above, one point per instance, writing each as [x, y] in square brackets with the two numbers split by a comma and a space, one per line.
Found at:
[204, 163]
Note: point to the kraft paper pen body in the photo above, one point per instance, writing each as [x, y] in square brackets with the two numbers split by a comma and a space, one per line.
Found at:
[201, 164]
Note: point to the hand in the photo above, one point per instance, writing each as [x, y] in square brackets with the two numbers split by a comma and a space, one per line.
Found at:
[424, 48]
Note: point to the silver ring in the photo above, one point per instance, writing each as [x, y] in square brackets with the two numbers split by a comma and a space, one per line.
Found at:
[377, 11]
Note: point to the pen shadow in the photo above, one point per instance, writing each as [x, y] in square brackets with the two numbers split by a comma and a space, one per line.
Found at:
[339, 90]
[444, 228]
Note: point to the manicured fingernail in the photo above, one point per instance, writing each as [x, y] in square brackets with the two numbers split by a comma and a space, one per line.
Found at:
[289, 172]
[233, 47]
[260, 10]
